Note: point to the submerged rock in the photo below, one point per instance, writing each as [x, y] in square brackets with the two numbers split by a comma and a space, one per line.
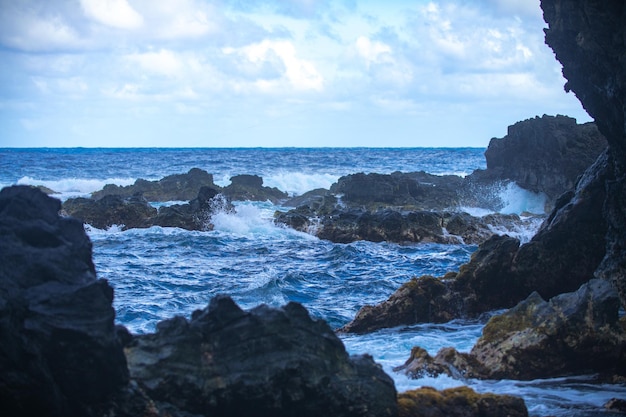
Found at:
[59, 354]
[265, 361]
[572, 333]
[458, 402]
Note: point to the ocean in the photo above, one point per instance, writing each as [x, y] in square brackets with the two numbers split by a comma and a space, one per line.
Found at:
[161, 272]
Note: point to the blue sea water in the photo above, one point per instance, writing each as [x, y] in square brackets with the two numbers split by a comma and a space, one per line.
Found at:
[161, 272]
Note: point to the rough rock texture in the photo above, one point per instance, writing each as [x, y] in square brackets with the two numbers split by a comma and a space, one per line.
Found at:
[589, 39]
[411, 191]
[265, 361]
[59, 354]
[178, 187]
[563, 255]
[250, 188]
[572, 333]
[136, 212]
[544, 154]
[458, 402]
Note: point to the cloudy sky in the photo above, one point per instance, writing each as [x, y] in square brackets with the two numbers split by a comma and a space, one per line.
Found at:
[230, 73]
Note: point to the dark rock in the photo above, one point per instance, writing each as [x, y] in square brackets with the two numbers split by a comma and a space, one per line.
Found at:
[572, 333]
[545, 154]
[617, 405]
[409, 191]
[250, 188]
[136, 212]
[59, 354]
[587, 37]
[178, 187]
[563, 255]
[131, 212]
[458, 402]
[311, 198]
[265, 361]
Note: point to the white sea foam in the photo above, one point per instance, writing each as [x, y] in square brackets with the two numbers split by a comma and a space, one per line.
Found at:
[297, 183]
[518, 200]
[74, 187]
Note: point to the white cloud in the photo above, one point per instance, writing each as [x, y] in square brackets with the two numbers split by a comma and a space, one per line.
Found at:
[163, 62]
[114, 13]
[373, 51]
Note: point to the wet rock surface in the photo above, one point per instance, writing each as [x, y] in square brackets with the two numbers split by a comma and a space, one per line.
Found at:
[572, 333]
[251, 188]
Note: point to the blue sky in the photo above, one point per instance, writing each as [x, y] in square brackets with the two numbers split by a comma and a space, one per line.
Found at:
[231, 73]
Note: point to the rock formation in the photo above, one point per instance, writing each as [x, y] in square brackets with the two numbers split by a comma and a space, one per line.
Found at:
[265, 361]
[59, 355]
[458, 402]
[251, 188]
[572, 333]
[136, 212]
[588, 38]
[544, 155]
[62, 355]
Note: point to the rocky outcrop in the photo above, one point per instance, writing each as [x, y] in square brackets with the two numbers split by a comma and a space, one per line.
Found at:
[251, 188]
[458, 402]
[59, 355]
[177, 187]
[572, 333]
[563, 255]
[62, 355]
[588, 38]
[544, 155]
[265, 361]
[136, 212]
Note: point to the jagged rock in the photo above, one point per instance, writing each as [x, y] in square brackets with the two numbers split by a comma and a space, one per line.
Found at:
[265, 361]
[411, 191]
[588, 39]
[545, 154]
[309, 199]
[59, 354]
[572, 333]
[250, 188]
[136, 212]
[458, 402]
[177, 187]
[132, 212]
[563, 255]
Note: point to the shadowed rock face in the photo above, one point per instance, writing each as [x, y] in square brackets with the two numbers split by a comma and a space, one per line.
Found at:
[589, 39]
[59, 353]
[264, 361]
[572, 333]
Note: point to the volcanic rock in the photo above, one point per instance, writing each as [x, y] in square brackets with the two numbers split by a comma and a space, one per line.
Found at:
[177, 187]
[59, 355]
[572, 333]
[544, 155]
[458, 402]
[250, 188]
[265, 361]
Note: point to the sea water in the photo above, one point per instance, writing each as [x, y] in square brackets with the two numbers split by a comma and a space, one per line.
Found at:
[161, 272]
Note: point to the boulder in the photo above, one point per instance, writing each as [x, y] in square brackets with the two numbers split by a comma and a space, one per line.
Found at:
[60, 355]
[458, 402]
[545, 154]
[265, 361]
[250, 188]
[587, 37]
[136, 212]
[571, 334]
[177, 187]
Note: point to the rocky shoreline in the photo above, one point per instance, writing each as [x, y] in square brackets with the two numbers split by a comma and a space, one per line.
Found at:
[63, 355]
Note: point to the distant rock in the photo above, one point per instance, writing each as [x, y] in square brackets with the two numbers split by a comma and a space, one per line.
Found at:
[563, 255]
[544, 154]
[571, 334]
[59, 355]
[261, 362]
[136, 212]
[250, 188]
[458, 402]
[178, 187]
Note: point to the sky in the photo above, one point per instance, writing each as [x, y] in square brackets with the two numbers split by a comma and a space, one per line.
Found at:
[273, 73]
